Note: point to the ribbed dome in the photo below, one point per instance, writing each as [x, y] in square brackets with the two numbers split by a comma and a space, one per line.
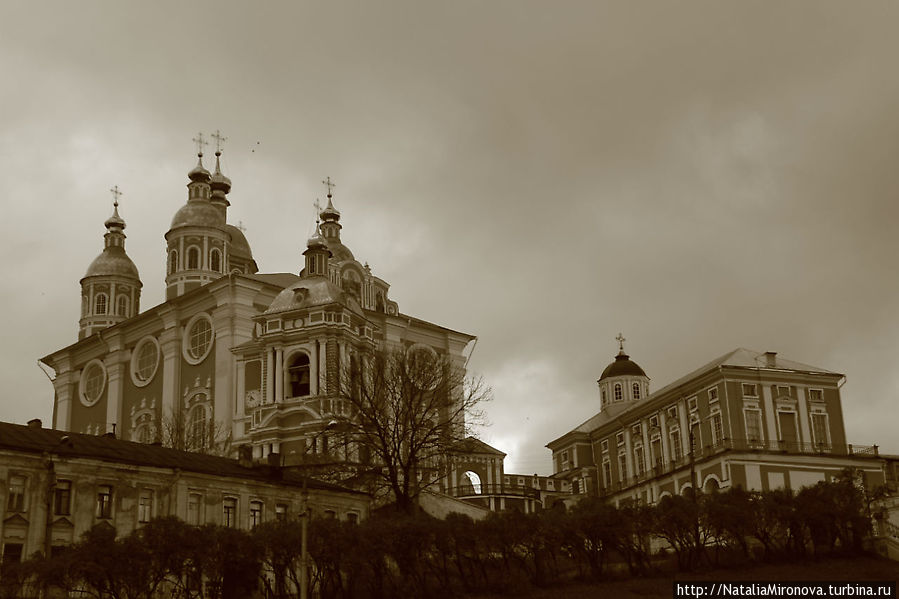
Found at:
[198, 213]
[622, 366]
[240, 247]
[113, 261]
[308, 292]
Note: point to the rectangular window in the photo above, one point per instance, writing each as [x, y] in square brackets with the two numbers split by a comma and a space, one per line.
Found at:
[672, 413]
[750, 390]
[604, 445]
[783, 391]
[330, 514]
[717, 427]
[550, 485]
[619, 439]
[606, 473]
[696, 435]
[816, 395]
[104, 502]
[194, 501]
[565, 461]
[691, 404]
[352, 517]
[820, 430]
[636, 430]
[639, 462]
[62, 497]
[145, 506]
[229, 512]
[255, 514]
[713, 395]
[753, 425]
[677, 451]
[653, 422]
[788, 433]
[16, 500]
[656, 448]
[281, 511]
[622, 466]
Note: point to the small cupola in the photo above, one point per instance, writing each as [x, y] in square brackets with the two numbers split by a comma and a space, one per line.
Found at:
[317, 255]
[623, 379]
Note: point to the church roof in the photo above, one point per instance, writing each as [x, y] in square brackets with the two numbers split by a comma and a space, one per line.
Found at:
[112, 261]
[109, 449]
[279, 279]
[622, 366]
[198, 213]
[307, 292]
[473, 445]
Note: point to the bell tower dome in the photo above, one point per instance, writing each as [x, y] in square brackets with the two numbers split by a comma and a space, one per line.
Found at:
[198, 241]
[110, 289]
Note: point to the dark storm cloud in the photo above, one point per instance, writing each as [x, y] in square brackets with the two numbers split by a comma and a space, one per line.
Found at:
[700, 176]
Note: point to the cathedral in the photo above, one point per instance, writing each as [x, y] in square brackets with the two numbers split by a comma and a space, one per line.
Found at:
[234, 356]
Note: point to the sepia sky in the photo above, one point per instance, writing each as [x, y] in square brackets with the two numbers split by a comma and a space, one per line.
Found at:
[699, 176]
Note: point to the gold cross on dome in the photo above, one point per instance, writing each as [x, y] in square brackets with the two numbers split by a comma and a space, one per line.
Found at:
[620, 339]
[115, 195]
[219, 140]
[318, 206]
[330, 185]
[200, 142]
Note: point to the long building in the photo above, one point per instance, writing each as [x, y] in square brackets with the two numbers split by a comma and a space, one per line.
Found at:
[58, 485]
[750, 419]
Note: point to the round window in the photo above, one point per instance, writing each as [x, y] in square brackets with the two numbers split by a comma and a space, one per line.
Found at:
[144, 361]
[93, 382]
[198, 339]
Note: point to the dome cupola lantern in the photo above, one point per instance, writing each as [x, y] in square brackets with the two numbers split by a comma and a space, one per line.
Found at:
[623, 379]
[110, 289]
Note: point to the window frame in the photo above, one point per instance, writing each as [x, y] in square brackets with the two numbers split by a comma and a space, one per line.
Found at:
[229, 511]
[62, 497]
[15, 500]
[186, 340]
[136, 357]
[97, 304]
[83, 383]
[193, 251]
[256, 513]
[145, 508]
[104, 507]
[753, 387]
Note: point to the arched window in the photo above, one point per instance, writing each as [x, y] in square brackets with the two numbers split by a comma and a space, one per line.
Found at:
[636, 389]
[193, 257]
[618, 392]
[298, 375]
[197, 437]
[122, 306]
[474, 480]
[100, 304]
[173, 261]
[215, 260]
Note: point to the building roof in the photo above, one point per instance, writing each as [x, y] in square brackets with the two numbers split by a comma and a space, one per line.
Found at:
[112, 261]
[308, 292]
[472, 445]
[744, 358]
[19, 437]
[622, 366]
[279, 279]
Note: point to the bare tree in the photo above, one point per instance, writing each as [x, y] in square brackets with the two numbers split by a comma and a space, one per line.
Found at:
[407, 410]
[202, 436]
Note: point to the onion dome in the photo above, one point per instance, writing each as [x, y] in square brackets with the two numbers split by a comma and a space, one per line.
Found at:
[218, 181]
[310, 292]
[199, 172]
[622, 366]
[316, 241]
[114, 221]
[330, 213]
[113, 261]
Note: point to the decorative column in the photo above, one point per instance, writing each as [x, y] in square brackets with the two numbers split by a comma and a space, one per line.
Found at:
[279, 375]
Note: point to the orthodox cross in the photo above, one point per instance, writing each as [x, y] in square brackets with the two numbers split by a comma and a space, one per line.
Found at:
[200, 143]
[115, 196]
[318, 205]
[330, 185]
[620, 339]
[219, 140]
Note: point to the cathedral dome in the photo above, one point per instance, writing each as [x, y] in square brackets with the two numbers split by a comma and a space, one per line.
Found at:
[113, 261]
[340, 252]
[622, 366]
[309, 292]
[198, 213]
[240, 247]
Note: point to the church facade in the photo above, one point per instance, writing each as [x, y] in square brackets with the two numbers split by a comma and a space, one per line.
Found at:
[233, 356]
[750, 419]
